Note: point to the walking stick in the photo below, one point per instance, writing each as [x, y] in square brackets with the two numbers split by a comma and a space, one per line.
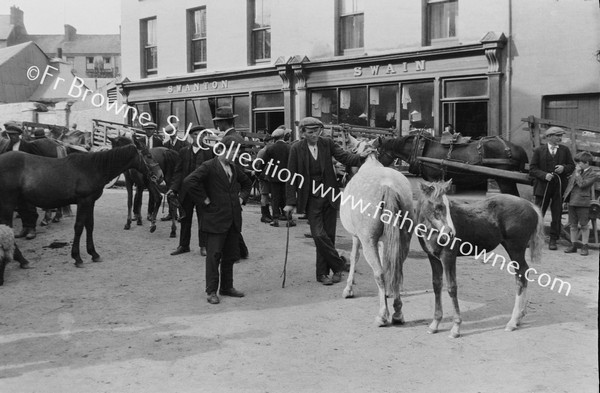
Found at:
[287, 243]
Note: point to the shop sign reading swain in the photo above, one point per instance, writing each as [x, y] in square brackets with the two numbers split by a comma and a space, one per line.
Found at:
[191, 87]
[390, 69]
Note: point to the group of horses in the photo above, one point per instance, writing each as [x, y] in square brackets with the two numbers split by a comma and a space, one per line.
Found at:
[505, 220]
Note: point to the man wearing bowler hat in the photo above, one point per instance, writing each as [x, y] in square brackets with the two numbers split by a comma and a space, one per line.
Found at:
[191, 157]
[152, 138]
[27, 211]
[224, 121]
[550, 166]
[311, 158]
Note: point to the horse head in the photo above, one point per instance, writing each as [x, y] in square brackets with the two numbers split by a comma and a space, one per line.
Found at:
[433, 211]
[148, 166]
[390, 149]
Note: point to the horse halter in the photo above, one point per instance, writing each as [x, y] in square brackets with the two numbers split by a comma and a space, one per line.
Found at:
[150, 168]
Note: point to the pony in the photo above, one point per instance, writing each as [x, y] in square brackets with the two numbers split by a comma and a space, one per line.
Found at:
[501, 219]
[489, 151]
[381, 193]
[78, 178]
[168, 160]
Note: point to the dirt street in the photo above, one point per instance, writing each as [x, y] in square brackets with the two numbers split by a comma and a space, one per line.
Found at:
[139, 321]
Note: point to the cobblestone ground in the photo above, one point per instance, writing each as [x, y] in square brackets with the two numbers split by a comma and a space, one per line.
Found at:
[139, 321]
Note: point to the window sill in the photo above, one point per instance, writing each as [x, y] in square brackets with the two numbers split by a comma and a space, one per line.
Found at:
[353, 52]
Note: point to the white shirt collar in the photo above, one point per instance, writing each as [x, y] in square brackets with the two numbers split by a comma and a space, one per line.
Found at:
[195, 149]
[16, 146]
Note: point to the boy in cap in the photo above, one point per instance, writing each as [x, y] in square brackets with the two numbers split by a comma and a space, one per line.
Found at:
[311, 158]
[578, 195]
[550, 166]
[220, 186]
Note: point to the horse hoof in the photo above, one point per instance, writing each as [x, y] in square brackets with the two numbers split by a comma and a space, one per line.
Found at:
[380, 322]
[398, 320]
[348, 293]
[25, 265]
[56, 219]
[173, 235]
[43, 223]
[454, 335]
[139, 222]
[152, 228]
[510, 328]
[127, 227]
[97, 259]
[78, 264]
[431, 331]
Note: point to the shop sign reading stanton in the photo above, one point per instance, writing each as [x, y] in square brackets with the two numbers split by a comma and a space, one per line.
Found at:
[390, 69]
[188, 88]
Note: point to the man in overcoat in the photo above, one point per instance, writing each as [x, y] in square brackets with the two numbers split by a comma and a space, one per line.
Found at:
[221, 187]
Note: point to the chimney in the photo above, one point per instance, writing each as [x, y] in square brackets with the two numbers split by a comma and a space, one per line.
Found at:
[70, 33]
[59, 53]
[16, 16]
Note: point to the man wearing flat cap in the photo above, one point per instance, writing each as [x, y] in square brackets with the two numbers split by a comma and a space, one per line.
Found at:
[27, 211]
[550, 167]
[277, 154]
[311, 158]
[152, 138]
[220, 186]
[191, 158]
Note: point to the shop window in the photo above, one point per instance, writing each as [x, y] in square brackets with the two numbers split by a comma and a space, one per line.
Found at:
[241, 107]
[197, 37]
[107, 62]
[268, 100]
[149, 47]
[417, 106]
[204, 112]
[351, 26]
[89, 63]
[323, 106]
[164, 111]
[440, 21]
[382, 106]
[466, 88]
[260, 30]
[353, 106]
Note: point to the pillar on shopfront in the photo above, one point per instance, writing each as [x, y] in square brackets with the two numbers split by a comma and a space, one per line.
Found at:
[493, 43]
[301, 103]
[285, 73]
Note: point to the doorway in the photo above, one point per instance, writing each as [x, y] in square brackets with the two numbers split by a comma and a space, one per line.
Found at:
[470, 118]
[267, 121]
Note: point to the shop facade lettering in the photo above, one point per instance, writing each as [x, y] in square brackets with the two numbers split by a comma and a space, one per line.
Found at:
[192, 87]
[389, 69]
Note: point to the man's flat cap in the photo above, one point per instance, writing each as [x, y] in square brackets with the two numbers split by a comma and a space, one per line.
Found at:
[149, 125]
[554, 131]
[197, 128]
[310, 122]
[13, 128]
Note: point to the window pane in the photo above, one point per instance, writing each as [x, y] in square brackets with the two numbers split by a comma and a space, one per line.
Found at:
[351, 6]
[199, 51]
[241, 107]
[262, 44]
[151, 58]
[352, 28]
[199, 24]
[164, 110]
[190, 114]
[353, 106]
[382, 106]
[262, 13]
[417, 106]
[442, 19]
[141, 108]
[466, 88]
[151, 32]
[204, 113]
[268, 100]
[323, 106]
[178, 109]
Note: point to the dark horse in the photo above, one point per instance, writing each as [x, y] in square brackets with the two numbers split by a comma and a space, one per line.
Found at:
[489, 151]
[51, 182]
[167, 159]
[477, 229]
[49, 148]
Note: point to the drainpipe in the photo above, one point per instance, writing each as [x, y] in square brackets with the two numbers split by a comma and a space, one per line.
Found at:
[509, 72]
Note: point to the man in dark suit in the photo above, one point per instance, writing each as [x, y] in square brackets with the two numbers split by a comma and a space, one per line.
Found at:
[152, 138]
[224, 121]
[550, 167]
[174, 143]
[311, 158]
[191, 157]
[221, 187]
[278, 154]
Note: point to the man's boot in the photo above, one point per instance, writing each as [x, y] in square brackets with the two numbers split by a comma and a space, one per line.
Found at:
[584, 250]
[265, 215]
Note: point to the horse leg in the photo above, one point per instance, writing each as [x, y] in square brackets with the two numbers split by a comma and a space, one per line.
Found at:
[151, 202]
[59, 214]
[520, 307]
[89, 235]
[354, 255]
[78, 228]
[371, 253]
[450, 266]
[173, 214]
[508, 187]
[137, 204]
[153, 206]
[47, 217]
[436, 276]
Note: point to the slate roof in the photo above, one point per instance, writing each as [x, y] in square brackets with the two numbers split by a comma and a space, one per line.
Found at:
[83, 43]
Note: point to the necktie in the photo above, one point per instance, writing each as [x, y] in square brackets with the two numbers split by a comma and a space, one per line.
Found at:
[553, 152]
[228, 172]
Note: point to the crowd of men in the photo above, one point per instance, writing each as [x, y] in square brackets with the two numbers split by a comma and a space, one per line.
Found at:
[216, 185]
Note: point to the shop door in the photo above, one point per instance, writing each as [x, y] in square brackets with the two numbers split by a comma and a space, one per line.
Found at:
[470, 118]
[267, 121]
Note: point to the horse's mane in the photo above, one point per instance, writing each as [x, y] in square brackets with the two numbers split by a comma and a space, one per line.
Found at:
[106, 159]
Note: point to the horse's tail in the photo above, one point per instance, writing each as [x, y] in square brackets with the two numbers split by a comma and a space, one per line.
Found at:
[396, 244]
[537, 237]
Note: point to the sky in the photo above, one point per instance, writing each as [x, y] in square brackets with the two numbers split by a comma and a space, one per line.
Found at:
[50, 16]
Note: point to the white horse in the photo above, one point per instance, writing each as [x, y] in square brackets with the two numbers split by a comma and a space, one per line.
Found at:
[375, 203]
